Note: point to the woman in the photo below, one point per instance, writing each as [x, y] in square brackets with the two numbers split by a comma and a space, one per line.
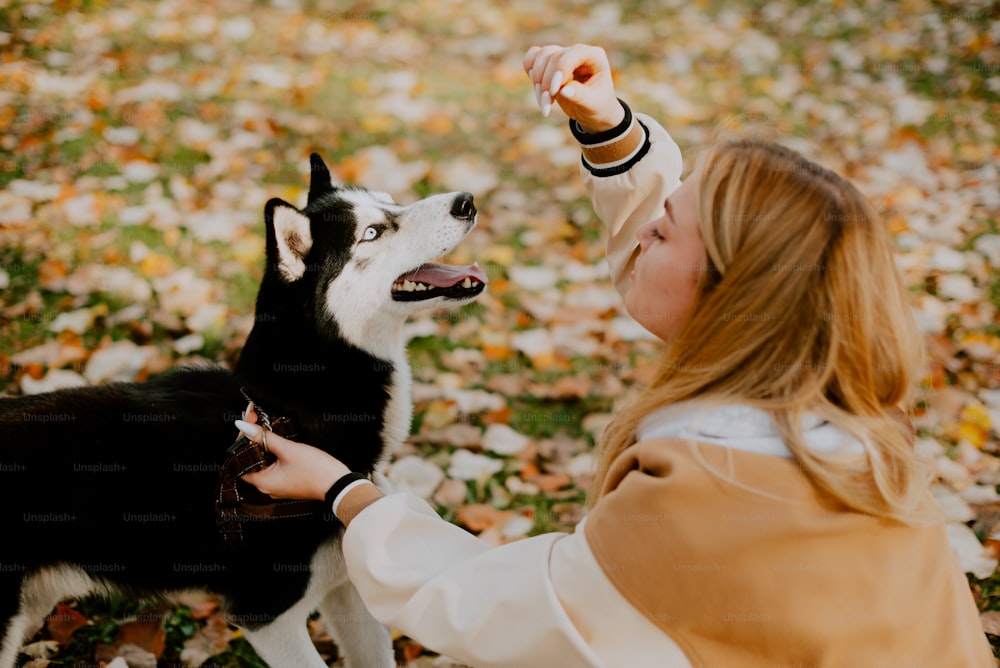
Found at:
[759, 504]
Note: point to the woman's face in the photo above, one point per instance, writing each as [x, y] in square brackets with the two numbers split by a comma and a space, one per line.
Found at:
[671, 259]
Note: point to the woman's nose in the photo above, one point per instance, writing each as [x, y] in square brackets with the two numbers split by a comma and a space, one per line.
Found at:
[642, 235]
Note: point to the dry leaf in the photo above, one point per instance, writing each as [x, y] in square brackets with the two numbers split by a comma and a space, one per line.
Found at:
[991, 622]
[503, 440]
[450, 493]
[147, 635]
[201, 604]
[62, 623]
[479, 517]
[207, 641]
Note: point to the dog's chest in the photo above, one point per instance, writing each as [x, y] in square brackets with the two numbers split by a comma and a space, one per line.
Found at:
[399, 409]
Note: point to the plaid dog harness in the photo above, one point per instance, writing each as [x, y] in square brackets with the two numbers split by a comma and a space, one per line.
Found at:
[237, 501]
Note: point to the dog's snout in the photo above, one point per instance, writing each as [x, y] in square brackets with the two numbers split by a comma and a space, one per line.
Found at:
[463, 207]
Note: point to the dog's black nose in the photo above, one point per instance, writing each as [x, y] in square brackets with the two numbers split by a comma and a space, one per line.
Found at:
[463, 207]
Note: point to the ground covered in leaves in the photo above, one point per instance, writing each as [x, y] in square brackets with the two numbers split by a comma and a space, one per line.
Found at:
[139, 142]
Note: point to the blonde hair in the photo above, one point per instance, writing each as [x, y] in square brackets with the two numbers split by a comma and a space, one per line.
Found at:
[801, 310]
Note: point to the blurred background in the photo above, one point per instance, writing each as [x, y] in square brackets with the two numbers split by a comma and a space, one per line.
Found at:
[139, 142]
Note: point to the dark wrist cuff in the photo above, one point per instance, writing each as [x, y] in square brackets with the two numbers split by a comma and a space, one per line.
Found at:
[338, 487]
[586, 138]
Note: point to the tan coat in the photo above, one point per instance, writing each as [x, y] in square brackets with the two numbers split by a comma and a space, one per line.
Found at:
[745, 564]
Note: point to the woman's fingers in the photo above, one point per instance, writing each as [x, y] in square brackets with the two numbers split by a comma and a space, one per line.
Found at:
[300, 472]
[276, 444]
[577, 77]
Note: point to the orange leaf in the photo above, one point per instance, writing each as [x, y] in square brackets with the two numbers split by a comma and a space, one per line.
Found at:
[551, 482]
[147, 634]
[499, 416]
[479, 516]
[530, 471]
[64, 622]
[51, 274]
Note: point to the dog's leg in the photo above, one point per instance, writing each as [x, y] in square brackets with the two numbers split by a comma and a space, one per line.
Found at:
[285, 642]
[15, 630]
[360, 638]
[26, 605]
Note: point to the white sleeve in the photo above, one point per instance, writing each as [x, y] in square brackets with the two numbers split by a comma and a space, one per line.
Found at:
[541, 601]
[628, 196]
[455, 594]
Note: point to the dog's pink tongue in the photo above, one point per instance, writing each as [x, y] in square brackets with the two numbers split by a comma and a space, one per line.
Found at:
[445, 275]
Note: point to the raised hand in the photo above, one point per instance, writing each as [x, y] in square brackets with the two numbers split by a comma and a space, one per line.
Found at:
[578, 79]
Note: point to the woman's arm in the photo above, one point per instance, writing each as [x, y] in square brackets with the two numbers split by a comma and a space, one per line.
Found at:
[631, 192]
[542, 601]
[630, 163]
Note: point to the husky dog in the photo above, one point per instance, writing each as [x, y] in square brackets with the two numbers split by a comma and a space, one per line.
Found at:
[113, 487]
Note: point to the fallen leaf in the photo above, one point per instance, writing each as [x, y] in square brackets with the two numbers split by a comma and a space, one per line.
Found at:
[439, 413]
[415, 475]
[201, 604]
[62, 623]
[450, 493]
[207, 641]
[466, 465]
[551, 482]
[141, 657]
[503, 440]
[147, 635]
[991, 622]
[479, 516]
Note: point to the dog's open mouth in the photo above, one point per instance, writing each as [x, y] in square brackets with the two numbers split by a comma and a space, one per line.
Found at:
[439, 280]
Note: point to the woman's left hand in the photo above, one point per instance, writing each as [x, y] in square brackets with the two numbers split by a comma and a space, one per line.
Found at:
[301, 472]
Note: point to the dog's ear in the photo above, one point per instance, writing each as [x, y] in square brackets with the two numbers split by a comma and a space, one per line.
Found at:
[320, 181]
[289, 238]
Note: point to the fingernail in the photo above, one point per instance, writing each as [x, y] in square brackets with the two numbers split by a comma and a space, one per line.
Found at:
[538, 94]
[557, 80]
[569, 92]
[531, 73]
[249, 408]
[546, 103]
[253, 431]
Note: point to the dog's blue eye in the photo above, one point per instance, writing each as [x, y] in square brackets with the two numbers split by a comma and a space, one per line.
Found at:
[370, 233]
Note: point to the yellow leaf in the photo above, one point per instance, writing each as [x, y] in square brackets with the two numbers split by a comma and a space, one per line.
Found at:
[976, 415]
[544, 361]
[440, 413]
[972, 434]
[437, 125]
[155, 265]
[377, 123]
[897, 225]
[500, 254]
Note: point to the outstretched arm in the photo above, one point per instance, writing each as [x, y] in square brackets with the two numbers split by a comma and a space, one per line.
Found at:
[630, 164]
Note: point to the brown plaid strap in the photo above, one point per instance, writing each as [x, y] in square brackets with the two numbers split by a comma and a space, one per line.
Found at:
[238, 501]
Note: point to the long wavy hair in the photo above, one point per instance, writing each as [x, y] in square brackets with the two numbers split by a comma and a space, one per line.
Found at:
[801, 309]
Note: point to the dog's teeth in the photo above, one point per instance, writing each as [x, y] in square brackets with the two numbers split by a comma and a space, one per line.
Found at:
[421, 287]
[409, 286]
[467, 283]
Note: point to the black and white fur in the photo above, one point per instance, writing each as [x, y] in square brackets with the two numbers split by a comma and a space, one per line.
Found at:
[112, 487]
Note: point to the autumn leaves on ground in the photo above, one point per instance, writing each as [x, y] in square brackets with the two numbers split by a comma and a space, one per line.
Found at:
[139, 142]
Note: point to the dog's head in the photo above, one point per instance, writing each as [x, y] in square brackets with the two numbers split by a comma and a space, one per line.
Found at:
[367, 261]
